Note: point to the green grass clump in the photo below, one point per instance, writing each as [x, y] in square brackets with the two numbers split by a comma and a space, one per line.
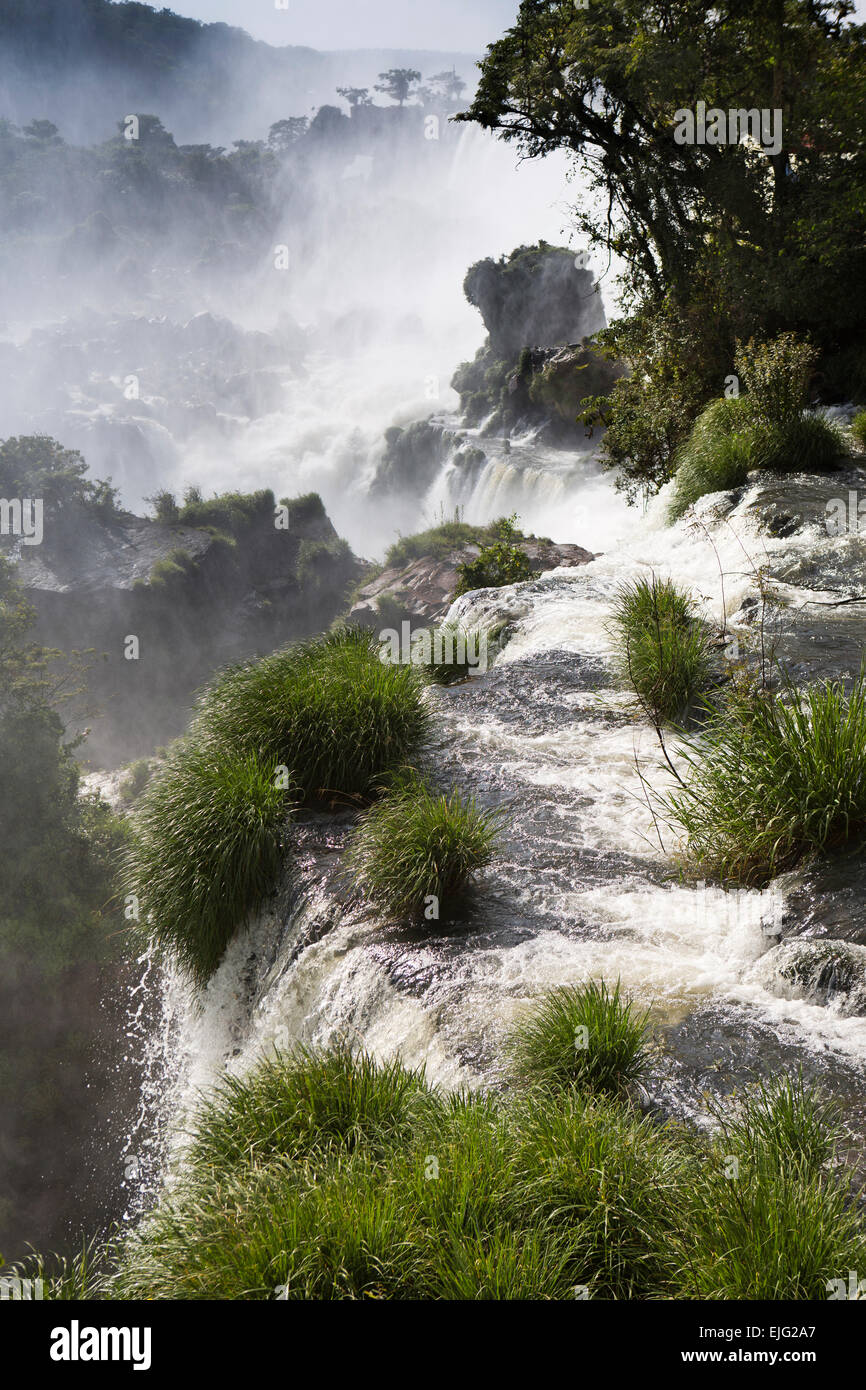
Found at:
[716, 457]
[455, 652]
[662, 645]
[321, 1184]
[729, 440]
[583, 1036]
[768, 1219]
[772, 778]
[437, 543]
[206, 850]
[612, 1179]
[858, 427]
[416, 844]
[309, 1104]
[232, 512]
[328, 709]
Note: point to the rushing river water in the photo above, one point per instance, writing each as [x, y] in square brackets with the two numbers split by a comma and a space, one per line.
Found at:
[586, 884]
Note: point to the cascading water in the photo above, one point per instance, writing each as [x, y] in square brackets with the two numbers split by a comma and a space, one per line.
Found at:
[586, 883]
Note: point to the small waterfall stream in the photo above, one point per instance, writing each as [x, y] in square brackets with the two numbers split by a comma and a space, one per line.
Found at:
[583, 886]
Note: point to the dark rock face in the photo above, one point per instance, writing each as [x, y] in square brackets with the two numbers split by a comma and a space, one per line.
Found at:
[539, 363]
[424, 591]
[535, 297]
[193, 598]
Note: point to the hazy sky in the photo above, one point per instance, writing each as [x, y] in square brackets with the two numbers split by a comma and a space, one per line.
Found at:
[463, 25]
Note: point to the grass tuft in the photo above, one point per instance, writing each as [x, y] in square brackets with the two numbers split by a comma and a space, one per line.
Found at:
[584, 1036]
[772, 778]
[663, 647]
[416, 844]
[206, 850]
[306, 1106]
[329, 709]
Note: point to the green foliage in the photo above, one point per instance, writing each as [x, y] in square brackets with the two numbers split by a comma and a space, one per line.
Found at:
[663, 647]
[455, 652]
[137, 777]
[502, 562]
[308, 1106]
[584, 1036]
[858, 427]
[304, 509]
[326, 717]
[37, 466]
[717, 455]
[328, 709]
[766, 429]
[777, 373]
[776, 1226]
[773, 777]
[59, 939]
[718, 241]
[674, 360]
[165, 508]
[174, 569]
[231, 512]
[206, 849]
[414, 844]
[437, 543]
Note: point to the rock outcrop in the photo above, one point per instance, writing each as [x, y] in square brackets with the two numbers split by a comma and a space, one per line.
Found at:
[193, 598]
[423, 591]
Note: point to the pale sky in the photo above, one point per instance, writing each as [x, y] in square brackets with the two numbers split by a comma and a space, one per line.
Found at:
[457, 25]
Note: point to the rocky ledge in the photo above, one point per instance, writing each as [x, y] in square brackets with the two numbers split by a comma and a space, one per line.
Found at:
[424, 590]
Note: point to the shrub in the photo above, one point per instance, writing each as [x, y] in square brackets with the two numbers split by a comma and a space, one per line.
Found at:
[858, 427]
[317, 1184]
[437, 543]
[232, 512]
[776, 373]
[499, 564]
[716, 457]
[137, 778]
[304, 509]
[662, 645]
[307, 1105]
[773, 777]
[165, 506]
[206, 850]
[328, 709]
[416, 844]
[582, 1036]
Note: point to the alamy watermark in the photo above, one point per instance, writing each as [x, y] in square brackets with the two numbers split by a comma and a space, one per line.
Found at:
[21, 1290]
[717, 127]
[22, 517]
[447, 646]
[846, 518]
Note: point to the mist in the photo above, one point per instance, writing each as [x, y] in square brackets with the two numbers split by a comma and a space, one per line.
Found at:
[235, 317]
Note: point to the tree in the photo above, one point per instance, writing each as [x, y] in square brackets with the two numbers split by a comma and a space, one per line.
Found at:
[284, 134]
[43, 131]
[449, 85]
[397, 83]
[758, 233]
[607, 83]
[355, 96]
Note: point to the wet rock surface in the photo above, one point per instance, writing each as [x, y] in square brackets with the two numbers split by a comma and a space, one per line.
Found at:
[424, 590]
